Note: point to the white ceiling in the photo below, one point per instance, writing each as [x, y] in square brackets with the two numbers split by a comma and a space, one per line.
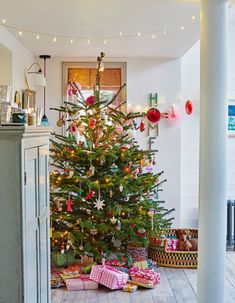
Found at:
[105, 18]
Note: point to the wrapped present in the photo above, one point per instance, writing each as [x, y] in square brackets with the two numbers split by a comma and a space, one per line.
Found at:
[130, 287]
[151, 263]
[146, 277]
[56, 280]
[63, 260]
[137, 253]
[141, 264]
[87, 269]
[115, 263]
[73, 271]
[124, 269]
[108, 276]
[87, 259]
[171, 244]
[81, 283]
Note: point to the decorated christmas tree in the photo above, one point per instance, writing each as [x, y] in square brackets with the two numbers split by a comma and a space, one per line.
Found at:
[104, 195]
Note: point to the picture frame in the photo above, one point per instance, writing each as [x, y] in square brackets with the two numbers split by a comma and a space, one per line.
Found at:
[29, 99]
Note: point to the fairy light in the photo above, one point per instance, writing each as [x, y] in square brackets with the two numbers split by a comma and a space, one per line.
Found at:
[71, 41]
[54, 39]
[88, 41]
[164, 32]
[138, 34]
[193, 18]
[37, 37]
[105, 41]
[3, 21]
[20, 33]
[153, 36]
[120, 33]
[182, 27]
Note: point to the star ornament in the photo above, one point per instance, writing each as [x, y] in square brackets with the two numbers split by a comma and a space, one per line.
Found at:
[99, 204]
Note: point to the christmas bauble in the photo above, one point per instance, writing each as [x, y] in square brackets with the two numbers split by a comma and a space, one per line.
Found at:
[127, 169]
[153, 115]
[188, 107]
[92, 123]
[93, 231]
[114, 168]
[117, 243]
[90, 100]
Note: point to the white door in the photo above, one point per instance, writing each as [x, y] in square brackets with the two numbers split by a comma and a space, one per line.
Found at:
[44, 220]
[30, 228]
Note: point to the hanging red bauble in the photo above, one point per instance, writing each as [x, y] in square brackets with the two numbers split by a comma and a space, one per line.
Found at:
[90, 100]
[72, 128]
[142, 126]
[92, 123]
[189, 107]
[127, 169]
[153, 115]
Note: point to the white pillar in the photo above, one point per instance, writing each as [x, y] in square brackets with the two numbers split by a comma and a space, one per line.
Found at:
[213, 152]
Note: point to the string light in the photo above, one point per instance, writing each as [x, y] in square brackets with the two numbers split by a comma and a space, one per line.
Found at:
[118, 35]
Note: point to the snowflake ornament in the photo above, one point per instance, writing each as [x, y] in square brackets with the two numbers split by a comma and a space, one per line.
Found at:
[172, 115]
[99, 204]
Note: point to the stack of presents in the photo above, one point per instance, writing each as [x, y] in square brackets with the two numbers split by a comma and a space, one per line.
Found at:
[126, 272]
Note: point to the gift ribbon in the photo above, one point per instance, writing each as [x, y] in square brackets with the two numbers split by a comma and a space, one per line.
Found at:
[110, 268]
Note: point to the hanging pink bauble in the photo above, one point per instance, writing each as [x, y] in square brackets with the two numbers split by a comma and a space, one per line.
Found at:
[153, 115]
[189, 107]
[119, 129]
[172, 115]
[90, 100]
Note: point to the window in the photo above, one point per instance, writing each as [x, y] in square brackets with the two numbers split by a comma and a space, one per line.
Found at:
[85, 73]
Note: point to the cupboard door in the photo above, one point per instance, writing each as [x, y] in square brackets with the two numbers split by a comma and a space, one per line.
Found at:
[30, 227]
[44, 225]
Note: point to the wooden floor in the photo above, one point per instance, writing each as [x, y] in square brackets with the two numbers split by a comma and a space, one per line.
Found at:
[177, 285]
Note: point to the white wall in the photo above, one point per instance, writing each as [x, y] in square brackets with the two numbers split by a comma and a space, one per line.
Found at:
[143, 76]
[5, 66]
[190, 72]
[21, 59]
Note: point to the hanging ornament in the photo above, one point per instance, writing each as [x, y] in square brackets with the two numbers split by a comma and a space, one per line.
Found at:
[91, 171]
[127, 169]
[153, 115]
[93, 231]
[72, 128]
[99, 204]
[61, 120]
[189, 107]
[71, 173]
[118, 129]
[172, 115]
[127, 198]
[140, 170]
[69, 204]
[135, 124]
[110, 193]
[62, 248]
[118, 228]
[81, 247]
[81, 128]
[114, 168]
[92, 123]
[142, 126]
[143, 162]
[149, 168]
[68, 246]
[113, 220]
[90, 195]
[90, 100]
[58, 204]
[141, 232]
[117, 243]
[113, 239]
[121, 187]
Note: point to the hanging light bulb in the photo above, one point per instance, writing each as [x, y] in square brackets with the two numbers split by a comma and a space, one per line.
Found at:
[182, 27]
[164, 32]
[3, 21]
[120, 33]
[138, 34]
[88, 41]
[153, 36]
[193, 18]
[54, 39]
[105, 41]
[37, 37]
[71, 41]
[20, 33]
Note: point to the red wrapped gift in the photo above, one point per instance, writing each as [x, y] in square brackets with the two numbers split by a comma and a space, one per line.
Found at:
[146, 277]
[81, 283]
[138, 253]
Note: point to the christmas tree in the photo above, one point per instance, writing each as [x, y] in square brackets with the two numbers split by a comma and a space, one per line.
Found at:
[103, 190]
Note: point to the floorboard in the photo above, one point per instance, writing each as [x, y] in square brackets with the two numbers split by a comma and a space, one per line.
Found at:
[177, 286]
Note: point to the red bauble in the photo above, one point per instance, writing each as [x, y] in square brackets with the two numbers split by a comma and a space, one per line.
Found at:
[90, 100]
[92, 123]
[90, 195]
[153, 115]
[127, 169]
[189, 107]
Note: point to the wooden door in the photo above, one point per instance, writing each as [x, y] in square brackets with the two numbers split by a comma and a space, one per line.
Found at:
[44, 225]
[30, 227]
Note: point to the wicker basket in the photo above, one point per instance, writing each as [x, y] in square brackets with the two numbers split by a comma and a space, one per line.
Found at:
[176, 259]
